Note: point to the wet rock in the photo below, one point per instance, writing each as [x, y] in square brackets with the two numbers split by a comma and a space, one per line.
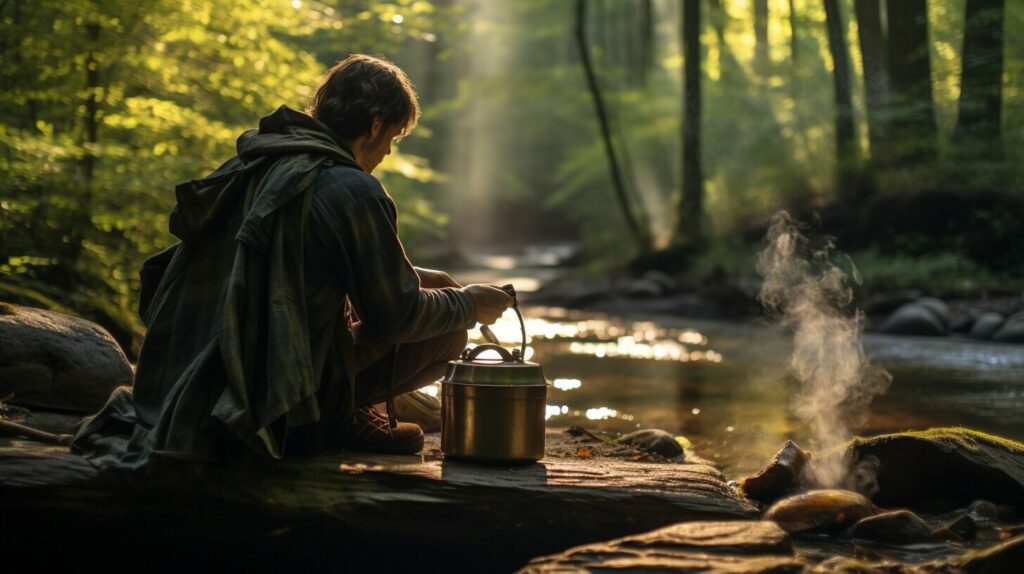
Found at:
[1004, 558]
[986, 325]
[845, 565]
[739, 546]
[653, 440]
[896, 527]
[667, 283]
[943, 469]
[964, 527]
[644, 288]
[1012, 330]
[924, 317]
[780, 477]
[54, 361]
[820, 509]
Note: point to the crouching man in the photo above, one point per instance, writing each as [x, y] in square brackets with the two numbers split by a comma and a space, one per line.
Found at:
[289, 307]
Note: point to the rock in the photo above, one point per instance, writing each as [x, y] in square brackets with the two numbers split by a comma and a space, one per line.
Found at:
[653, 440]
[644, 288]
[820, 509]
[779, 477]
[359, 507]
[896, 527]
[943, 469]
[937, 307]
[54, 361]
[419, 408]
[986, 325]
[740, 546]
[964, 527]
[1012, 330]
[667, 283]
[917, 319]
[1006, 557]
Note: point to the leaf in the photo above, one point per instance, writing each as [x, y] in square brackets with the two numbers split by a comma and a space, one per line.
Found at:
[584, 452]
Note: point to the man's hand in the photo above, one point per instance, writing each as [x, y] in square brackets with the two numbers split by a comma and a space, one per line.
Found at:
[491, 302]
[433, 279]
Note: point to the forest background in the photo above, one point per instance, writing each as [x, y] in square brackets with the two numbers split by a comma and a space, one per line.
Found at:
[652, 134]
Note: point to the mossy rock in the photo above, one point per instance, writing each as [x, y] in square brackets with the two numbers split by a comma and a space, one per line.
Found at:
[944, 468]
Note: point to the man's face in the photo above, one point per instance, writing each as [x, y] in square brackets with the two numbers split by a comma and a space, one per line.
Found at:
[371, 149]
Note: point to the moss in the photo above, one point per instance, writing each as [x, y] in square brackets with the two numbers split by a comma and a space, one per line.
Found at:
[8, 309]
[963, 437]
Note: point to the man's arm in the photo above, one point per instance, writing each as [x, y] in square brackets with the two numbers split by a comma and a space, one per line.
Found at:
[434, 279]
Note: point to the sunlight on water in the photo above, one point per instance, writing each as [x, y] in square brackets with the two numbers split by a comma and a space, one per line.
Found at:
[602, 338]
[567, 384]
[555, 410]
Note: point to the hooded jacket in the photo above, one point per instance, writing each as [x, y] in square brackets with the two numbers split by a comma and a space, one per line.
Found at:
[245, 317]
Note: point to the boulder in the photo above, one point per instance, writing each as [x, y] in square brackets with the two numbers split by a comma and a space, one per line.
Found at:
[943, 469]
[737, 546]
[820, 510]
[924, 317]
[986, 325]
[1012, 330]
[896, 527]
[780, 477]
[54, 361]
[653, 440]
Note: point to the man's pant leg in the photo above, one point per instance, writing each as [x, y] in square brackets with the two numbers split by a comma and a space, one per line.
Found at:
[410, 366]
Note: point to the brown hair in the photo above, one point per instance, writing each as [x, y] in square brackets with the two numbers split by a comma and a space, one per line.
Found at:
[358, 90]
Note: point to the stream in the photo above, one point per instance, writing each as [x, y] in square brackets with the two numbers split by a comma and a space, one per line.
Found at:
[725, 386]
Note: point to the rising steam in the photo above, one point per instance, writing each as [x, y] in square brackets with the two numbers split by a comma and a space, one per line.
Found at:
[810, 295]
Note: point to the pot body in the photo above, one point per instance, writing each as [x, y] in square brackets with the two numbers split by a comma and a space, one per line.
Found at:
[492, 423]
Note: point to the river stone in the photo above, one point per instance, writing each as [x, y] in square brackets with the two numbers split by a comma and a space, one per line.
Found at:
[986, 325]
[736, 546]
[1004, 558]
[896, 527]
[937, 307]
[653, 440]
[780, 476]
[944, 469]
[916, 319]
[1012, 330]
[820, 510]
[54, 361]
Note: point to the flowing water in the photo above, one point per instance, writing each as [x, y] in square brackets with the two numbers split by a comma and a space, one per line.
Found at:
[726, 388]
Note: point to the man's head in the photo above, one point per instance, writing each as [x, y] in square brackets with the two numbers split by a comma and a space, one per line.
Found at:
[368, 102]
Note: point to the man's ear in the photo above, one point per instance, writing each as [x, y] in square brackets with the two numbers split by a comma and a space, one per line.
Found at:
[376, 128]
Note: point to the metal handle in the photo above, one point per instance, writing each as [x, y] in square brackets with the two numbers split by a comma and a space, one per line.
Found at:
[522, 324]
[476, 352]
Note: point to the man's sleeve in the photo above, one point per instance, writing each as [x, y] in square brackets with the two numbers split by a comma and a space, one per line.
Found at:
[381, 282]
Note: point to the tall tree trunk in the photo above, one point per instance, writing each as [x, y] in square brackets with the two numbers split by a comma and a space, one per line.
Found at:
[847, 151]
[618, 184]
[761, 36]
[978, 131]
[646, 49]
[690, 230]
[876, 74]
[912, 110]
[91, 119]
[793, 38]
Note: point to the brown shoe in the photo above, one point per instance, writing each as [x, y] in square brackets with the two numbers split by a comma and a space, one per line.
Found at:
[371, 432]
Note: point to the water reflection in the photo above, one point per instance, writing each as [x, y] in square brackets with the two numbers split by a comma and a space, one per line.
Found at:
[738, 412]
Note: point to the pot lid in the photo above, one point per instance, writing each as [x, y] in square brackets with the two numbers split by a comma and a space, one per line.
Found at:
[508, 370]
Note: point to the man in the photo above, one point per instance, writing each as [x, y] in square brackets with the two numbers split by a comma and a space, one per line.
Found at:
[289, 307]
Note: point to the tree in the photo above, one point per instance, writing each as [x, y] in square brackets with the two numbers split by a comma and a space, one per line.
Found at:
[911, 107]
[847, 150]
[761, 35]
[876, 74]
[690, 226]
[978, 129]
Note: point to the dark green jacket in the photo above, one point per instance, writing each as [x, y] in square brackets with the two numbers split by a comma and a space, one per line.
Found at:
[246, 322]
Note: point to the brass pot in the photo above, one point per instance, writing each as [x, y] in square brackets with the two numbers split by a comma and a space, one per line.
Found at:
[492, 411]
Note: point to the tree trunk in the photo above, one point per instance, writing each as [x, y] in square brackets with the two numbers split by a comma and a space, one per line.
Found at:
[761, 36]
[876, 74]
[792, 31]
[847, 152]
[646, 49]
[602, 116]
[912, 111]
[91, 119]
[978, 133]
[690, 206]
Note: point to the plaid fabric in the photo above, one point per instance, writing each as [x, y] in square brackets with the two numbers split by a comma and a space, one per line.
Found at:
[247, 323]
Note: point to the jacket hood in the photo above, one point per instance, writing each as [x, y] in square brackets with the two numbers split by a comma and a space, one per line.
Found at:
[287, 131]
[289, 148]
